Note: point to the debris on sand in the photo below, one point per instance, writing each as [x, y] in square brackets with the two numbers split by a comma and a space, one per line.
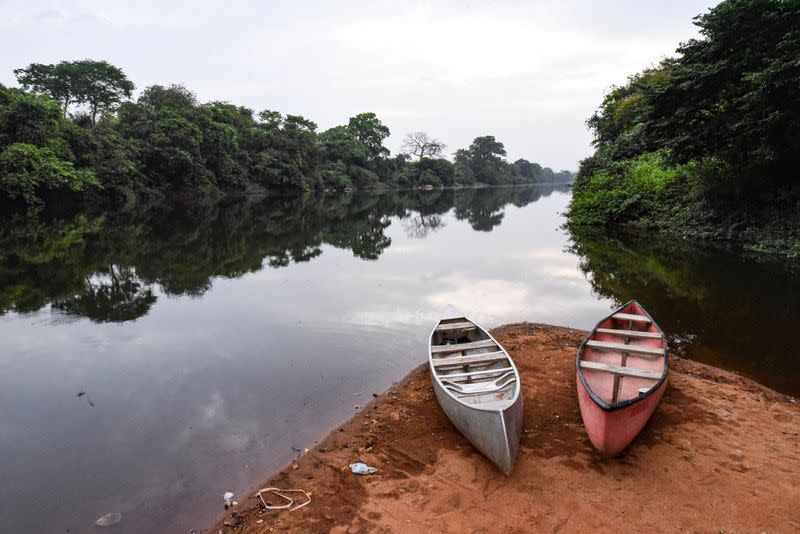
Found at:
[359, 468]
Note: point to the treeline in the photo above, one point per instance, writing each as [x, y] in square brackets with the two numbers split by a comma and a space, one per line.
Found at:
[73, 130]
[110, 266]
[706, 143]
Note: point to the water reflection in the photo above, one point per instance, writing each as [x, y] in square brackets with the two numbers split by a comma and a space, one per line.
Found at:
[719, 306]
[214, 338]
[105, 267]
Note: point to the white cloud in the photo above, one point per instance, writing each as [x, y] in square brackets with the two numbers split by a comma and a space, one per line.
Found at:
[491, 297]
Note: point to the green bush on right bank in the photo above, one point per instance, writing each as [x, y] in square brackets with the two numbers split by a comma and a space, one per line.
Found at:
[625, 191]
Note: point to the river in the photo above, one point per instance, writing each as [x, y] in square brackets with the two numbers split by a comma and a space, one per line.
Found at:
[153, 358]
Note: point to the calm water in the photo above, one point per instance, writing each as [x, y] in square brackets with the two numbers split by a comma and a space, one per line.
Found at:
[150, 360]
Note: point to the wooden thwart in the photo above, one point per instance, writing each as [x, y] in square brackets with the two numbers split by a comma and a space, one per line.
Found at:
[458, 347]
[617, 370]
[629, 333]
[455, 326]
[631, 317]
[466, 360]
[622, 347]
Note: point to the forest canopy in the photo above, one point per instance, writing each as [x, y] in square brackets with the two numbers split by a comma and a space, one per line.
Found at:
[706, 142]
[73, 129]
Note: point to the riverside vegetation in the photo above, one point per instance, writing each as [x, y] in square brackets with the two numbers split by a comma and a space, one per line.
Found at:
[705, 144]
[72, 133]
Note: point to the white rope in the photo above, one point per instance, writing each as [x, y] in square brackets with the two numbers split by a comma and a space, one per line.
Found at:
[277, 491]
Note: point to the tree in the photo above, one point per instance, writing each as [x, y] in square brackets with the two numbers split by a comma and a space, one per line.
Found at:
[531, 172]
[370, 132]
[101, 85]
[28, 118]
[284, 150]
[484, 158]
[487, 148]
[26, 170]
[339, 143]
[726, 110]
[734, 92]
[57, 81]
[176, 96]
[420, 145]
[429, 171]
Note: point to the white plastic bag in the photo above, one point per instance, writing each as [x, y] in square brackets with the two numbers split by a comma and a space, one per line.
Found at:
[362, 469]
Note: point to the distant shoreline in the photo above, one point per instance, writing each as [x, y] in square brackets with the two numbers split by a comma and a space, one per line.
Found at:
[257, 192]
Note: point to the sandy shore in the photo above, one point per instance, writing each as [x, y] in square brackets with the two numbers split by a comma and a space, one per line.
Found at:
[721, 453]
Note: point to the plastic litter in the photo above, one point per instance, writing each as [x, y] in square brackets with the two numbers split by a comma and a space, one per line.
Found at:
[362, 469]
[109, 519]
[228, 499]
[280, 493]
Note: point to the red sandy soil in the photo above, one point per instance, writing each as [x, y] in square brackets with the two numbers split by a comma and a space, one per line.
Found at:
[721, 454]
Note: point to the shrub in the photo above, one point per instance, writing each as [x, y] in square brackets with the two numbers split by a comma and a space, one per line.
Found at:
[623, 192]
[26, 170]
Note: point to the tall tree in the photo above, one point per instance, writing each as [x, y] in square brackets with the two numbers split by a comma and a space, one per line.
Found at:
[370, 132]
[528, 170]
[421, 145]
[485, 159]
[176, 96]
[101, 85]
[58, 81]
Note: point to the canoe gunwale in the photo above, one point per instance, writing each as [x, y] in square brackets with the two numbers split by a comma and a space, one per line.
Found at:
[629, 402]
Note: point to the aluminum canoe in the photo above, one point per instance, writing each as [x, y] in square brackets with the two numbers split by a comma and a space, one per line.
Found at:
[478, 386]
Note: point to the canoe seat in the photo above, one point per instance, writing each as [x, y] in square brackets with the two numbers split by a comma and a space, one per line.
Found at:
[466, 325]
[471, 359]
[622, 347]
[629, 333]
[618, 370]
[631, 317]
[477, 373]
[480, 388]
[458, 347]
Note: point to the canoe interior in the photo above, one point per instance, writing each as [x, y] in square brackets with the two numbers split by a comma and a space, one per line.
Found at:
[483, 377]
[629, 326]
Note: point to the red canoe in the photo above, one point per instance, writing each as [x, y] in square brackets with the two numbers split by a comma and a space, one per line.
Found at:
[622, 374]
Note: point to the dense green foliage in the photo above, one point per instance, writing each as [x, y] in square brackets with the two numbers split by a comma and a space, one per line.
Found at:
[708, 139]
[73, 131]
[628, 192]
[27, 170]
[484, 162]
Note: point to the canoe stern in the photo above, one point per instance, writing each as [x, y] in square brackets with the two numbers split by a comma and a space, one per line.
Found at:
[495, 433]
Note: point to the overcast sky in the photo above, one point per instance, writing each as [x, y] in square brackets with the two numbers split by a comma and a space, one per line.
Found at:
[529, 73]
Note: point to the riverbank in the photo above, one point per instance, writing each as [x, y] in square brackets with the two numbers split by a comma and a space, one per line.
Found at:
[721, 453]
[765, 228]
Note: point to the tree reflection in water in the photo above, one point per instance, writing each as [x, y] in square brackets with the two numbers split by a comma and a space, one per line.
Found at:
[719, 306]
[106, 266]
